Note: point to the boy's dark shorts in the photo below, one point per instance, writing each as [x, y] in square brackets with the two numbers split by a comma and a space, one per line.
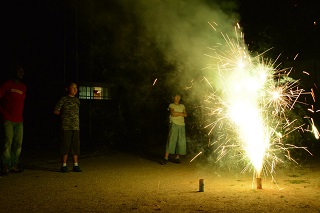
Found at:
[70, 142]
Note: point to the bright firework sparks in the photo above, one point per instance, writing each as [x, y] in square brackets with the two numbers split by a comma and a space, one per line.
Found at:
[252, 105]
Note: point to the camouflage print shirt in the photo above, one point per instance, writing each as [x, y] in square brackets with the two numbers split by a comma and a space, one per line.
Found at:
[69, 112]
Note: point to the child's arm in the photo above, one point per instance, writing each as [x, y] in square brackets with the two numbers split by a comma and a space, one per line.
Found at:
[3, 89]
[177, 114]
[184, 113]
[58, 106]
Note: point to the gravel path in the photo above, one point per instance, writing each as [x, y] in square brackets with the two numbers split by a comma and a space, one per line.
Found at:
[127, 182]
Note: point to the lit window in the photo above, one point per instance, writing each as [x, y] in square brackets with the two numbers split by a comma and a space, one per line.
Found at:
[97, 93]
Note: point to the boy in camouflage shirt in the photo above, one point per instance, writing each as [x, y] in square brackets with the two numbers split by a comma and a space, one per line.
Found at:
[68, 110]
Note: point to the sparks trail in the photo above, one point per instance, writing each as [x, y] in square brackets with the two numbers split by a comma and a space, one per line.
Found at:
[251, 106]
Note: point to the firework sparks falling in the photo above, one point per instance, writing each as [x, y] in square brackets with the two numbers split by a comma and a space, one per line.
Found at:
[251, 105]
[154, 82]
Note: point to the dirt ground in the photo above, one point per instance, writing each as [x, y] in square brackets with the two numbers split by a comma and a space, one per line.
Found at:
[131, 182]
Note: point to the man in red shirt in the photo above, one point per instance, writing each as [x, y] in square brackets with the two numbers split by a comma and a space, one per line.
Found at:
[12, 96]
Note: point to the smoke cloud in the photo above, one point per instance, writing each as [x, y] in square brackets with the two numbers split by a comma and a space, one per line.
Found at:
[153, 47]
[181, 30]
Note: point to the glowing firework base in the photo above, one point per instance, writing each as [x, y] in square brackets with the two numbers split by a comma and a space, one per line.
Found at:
[259, 183]
[251, 103]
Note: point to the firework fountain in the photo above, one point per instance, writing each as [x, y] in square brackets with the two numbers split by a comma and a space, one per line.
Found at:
[250, 106]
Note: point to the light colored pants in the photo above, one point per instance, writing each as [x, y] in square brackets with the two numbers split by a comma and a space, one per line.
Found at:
[13, 136]
[176, 140]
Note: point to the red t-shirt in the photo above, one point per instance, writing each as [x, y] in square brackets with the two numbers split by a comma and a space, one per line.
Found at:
[12, 96]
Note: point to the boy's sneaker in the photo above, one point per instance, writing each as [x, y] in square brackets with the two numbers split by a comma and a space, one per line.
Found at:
[64, 169]
[77, 169]
[16, 169]
[4, 170]
[177, 160]
[164, 161]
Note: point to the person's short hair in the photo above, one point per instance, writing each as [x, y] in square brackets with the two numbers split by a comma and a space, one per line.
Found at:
[15, 69]
[176, 93]
[69, 83]
[20, 66]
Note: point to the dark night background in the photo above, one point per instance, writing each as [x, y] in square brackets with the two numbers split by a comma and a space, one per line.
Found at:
[128, 44]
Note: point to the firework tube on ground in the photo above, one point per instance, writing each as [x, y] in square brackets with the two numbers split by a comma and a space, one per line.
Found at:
[201, 185]
[259, 183]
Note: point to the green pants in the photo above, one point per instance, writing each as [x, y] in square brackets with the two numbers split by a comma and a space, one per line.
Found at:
[13, 136]
[176, 140]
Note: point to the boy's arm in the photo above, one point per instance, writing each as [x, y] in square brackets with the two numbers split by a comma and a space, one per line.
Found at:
[177, 114]
[58, 106]
[184, 113]
[3, 89]
[1, 111]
